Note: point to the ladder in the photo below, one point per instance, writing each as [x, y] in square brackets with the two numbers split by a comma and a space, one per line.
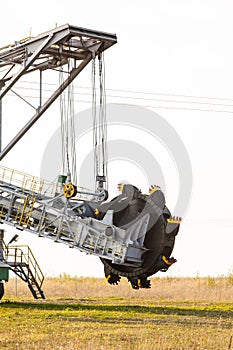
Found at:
[23, 263]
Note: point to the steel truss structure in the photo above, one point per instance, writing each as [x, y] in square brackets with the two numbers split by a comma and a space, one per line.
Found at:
[49, 50]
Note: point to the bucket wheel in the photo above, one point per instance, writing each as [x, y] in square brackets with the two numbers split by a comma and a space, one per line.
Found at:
[159, 239]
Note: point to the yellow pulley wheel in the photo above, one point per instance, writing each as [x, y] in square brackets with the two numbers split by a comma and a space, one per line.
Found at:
[69, 190]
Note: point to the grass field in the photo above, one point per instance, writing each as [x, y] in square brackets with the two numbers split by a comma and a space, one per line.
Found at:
[87, 313]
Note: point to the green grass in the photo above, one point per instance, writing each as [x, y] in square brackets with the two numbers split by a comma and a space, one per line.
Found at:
[88, 314]
[115, 323]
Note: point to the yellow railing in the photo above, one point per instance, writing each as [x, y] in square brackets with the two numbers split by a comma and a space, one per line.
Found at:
[27, 182]
[35, 185]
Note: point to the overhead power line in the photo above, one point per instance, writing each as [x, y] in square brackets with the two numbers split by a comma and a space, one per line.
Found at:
[173, 103]
[143, 98]
[152, 106]
[145, 92]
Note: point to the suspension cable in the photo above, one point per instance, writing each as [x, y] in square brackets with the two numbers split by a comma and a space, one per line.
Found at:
[68, 128]
[94, 119]
[63, 124]
[99, 126]
[102, 118]
[71, 130]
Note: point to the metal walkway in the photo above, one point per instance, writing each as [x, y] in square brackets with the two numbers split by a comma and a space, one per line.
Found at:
[29, 203]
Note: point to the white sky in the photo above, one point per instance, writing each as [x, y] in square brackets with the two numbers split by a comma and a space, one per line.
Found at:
[173, 47]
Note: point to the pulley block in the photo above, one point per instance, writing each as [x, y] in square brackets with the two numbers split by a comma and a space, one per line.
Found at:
[69, 190]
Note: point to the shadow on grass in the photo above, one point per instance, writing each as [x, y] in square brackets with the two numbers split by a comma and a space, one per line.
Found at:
[130, 310]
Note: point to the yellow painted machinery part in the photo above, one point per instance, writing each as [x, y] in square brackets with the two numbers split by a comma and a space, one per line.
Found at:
[120, 187]
[69, 190]
[139, 283]
[96, 211]
[166, 260]
[153, 189]
[174, 220]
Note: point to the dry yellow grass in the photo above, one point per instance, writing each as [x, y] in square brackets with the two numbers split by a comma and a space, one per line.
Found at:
[207, 289]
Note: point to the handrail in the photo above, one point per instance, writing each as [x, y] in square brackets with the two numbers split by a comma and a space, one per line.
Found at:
[33, 184]
[22, 255]
[36, 185]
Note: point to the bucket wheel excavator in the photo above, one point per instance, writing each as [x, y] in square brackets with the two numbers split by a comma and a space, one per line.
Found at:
[134, 233]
